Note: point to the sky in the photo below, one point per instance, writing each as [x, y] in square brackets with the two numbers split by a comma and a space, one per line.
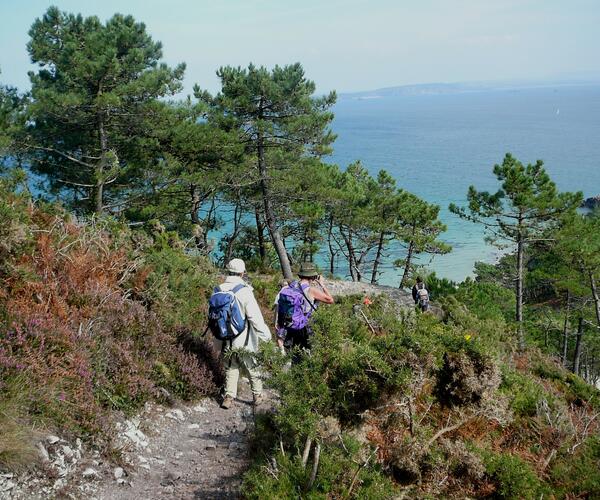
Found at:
[346, 45]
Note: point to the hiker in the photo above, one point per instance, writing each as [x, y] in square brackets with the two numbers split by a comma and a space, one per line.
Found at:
[420, 295]
[295, 304]
[237, 323]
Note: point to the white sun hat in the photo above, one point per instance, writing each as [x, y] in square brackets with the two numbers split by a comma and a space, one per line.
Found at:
[236, 266]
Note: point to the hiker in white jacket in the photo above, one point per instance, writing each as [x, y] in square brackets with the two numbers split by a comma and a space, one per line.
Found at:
[256, 330]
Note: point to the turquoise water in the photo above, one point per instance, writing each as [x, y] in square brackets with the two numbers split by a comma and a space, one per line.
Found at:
[437, 145]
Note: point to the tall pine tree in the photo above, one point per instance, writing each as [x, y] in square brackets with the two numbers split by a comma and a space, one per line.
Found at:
[280, 121]
[519, 213]
[90, 103]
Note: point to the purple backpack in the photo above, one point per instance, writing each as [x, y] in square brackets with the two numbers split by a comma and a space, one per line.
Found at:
[293, 307]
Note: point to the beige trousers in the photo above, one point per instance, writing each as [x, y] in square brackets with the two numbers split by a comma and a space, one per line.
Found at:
[247, 365]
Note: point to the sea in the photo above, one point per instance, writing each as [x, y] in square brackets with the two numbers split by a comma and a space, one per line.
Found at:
[437, 144]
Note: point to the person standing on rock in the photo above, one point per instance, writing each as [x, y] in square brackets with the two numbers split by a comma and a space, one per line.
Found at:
[239, 352]
[420, 295]
[294, 306]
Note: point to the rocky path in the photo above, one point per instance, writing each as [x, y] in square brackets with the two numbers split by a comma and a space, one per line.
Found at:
[195, 451]
[189, 452]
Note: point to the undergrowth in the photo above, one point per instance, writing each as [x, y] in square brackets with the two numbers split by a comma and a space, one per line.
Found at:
[411, 405]
[91, 315]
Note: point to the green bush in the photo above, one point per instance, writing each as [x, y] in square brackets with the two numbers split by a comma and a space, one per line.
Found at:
[487, 300]
[340, 475]
[578, 474]
[524, 392]
[514, 478]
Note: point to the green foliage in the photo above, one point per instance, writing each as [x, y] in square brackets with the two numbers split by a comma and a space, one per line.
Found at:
[513, 477]
[486, 300]
[175, 283]
[338, 468]
[526, 206]
[11, 120]
[91, 100]
[439, 287]
[578, 474]
[524, 391]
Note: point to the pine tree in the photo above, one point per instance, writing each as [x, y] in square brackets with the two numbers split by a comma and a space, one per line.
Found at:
[192, 162]
[91, 100]
[280, 121]
[385, 206]
[419, 229]
[519, 213]
[11, 119]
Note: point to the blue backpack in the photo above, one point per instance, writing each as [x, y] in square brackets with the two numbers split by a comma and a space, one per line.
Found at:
[292, 310]
[225, 319]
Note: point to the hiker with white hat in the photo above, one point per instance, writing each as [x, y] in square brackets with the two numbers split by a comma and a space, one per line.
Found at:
[238, 325]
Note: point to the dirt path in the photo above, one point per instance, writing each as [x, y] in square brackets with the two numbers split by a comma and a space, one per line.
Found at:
[190, 452]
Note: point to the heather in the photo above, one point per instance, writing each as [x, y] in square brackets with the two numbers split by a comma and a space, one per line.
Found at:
[92, 317]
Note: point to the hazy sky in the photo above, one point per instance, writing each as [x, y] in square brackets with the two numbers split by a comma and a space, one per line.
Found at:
[347, 44]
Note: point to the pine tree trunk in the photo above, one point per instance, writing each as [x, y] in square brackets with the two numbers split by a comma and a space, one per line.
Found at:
[377, 258]
[194, 207]
[404, 280]
[519, 305]
[270, 219]
[351, 255]
[228, 254]
[331, 252]
[99, 189]
[577, 355]
[595, 295]
[260, 231]
[565, 336]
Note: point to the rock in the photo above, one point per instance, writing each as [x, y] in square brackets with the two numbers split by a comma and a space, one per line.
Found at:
[121, 481]
[7, 486]
[136, 436]
[200, 408]
[89, 472]
[118, 473]
[212, 446]
[591, 203]
[58, 484]
[193, 426]
[145, 466]
[67, 451]
[43, 452]
[175, 414]
[234, 445]
[52, 439]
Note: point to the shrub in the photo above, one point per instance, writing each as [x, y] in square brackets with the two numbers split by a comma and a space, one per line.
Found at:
[89, 315]
[513, 477]
[578, 474]
[17, 439]
[524, 392]
[465, 377]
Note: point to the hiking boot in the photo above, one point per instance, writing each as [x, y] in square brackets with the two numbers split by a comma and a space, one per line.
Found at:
[227, 402]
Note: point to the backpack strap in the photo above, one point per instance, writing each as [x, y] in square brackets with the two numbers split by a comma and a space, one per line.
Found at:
[235, 290]
[314, 308]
